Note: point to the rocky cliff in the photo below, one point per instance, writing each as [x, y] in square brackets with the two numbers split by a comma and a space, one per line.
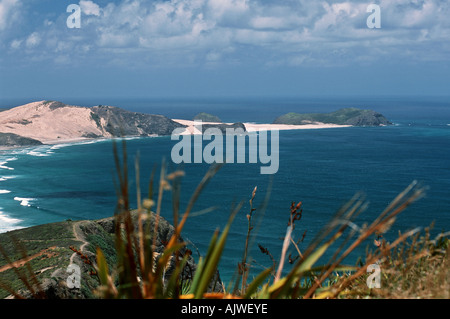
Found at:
[118, 122]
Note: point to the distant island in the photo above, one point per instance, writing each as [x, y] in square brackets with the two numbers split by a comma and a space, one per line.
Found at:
[51, 122]
[206, 117]
[346, 116]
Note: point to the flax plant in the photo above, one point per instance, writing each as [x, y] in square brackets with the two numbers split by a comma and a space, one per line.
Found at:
[143, 277]
[143, 272]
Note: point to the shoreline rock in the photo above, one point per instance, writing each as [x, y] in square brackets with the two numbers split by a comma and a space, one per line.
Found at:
[14, 140]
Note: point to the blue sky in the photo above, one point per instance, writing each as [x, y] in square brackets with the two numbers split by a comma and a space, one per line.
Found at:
[226, 48]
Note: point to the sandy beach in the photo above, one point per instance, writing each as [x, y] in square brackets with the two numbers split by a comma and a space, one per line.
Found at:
[253, 127]
[50, 138]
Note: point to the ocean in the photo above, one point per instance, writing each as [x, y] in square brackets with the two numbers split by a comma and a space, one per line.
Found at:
[322, 168]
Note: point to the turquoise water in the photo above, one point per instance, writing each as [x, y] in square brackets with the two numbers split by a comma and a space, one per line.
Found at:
[322, 168]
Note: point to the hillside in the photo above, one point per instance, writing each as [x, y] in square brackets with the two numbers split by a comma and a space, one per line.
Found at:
[11, 140]
[206, 117]
[346, 116]
[50, 121]
[49, 249]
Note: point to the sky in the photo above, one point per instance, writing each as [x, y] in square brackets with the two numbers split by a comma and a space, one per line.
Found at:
[223, 48]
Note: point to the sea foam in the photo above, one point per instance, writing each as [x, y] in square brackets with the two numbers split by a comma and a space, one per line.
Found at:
[35, 153]
[8, 223]
[24, 201]
[4, 161]
[62, 145]
[4, 178]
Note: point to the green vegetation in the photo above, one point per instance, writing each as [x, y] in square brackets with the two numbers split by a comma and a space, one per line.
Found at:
[101, 239]
[346, 116]
[205, 117]
[24, 122]
[47, 245]
[55, 104]
[417, 268]
[96, 119]
[11, 139]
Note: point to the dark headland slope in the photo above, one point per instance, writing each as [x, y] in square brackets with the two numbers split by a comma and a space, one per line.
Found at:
[11, 140]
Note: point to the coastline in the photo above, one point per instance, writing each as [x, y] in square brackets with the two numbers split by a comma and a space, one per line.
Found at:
[253, 127]
[69, 141]
[190, 129]
[51, 142]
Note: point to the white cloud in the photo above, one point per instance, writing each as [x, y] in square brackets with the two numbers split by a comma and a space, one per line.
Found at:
[228, 11]
[8, 12]
[15, 44]
[89, 8]
[269, 23]
[33, 40]
[292, 32]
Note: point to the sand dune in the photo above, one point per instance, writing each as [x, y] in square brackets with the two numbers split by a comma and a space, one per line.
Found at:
[39, 121]
[51, 122]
